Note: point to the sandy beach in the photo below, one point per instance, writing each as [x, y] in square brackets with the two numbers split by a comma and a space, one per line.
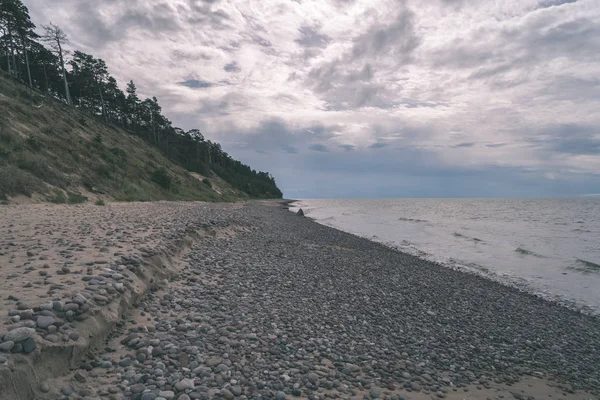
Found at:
[184, 301]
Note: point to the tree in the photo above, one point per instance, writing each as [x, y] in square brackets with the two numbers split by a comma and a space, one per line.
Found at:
[24, 28]
[90, 76]
[56, 38]
[44, 69]
[132, 103]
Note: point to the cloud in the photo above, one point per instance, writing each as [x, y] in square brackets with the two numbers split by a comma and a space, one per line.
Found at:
[195, 83]
[310, 37]
[232, 67]
[570, 139]
[554, 3]
[318, 147]
[398, 97]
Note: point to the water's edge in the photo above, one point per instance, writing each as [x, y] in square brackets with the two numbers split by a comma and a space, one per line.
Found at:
[514, 282]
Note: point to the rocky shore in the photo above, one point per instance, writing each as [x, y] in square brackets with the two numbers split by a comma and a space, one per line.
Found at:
[249, 301]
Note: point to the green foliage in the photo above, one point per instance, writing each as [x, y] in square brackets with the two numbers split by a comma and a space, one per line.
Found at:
[33, 143]
[93, 90]
[162, 178]
[99, 202]
[14, 181]
[38, 166]
[58, 198]
[76, 198]
[207, 182]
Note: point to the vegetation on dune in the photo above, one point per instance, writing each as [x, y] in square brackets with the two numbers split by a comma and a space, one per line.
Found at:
[74, 121]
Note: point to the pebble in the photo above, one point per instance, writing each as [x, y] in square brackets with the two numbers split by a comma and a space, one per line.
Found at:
[44, 322]
[44, 387]
[29, 345]
[7, 346]
[19, 334]
[184, 384]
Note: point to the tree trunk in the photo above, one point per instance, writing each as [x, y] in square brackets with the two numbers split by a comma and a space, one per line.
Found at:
[7, 52]
[12, 51]
[64, 73]
[27, 62]
[102, 101]
[46, 78]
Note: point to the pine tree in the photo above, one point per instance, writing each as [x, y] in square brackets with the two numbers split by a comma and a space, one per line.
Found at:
[56, 38]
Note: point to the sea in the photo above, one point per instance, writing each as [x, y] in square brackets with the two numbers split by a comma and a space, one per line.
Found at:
[547, 247]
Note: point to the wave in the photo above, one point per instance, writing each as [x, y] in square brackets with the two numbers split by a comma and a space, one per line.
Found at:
[460, 235]
[526, 252]
[411, 219]
[589, 264]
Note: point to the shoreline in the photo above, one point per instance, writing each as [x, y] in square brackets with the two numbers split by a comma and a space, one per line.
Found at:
[513, 282]
[291, 308]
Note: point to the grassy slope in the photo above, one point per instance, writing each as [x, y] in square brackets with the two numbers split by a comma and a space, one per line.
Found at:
[55, 152]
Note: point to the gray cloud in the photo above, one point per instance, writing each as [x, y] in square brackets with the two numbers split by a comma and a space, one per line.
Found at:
[195, 84]
[570, 139]
[232, 67]
[451, 95]
[318, 147]
[397, 39]
[553, 3]
[310, 37]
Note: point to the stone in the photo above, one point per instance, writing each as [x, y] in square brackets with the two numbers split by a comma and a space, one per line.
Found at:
[148, 396]
[44, 321]
[184, 384]
[227, 394]
[184, 397]
[28, 345]
[313, 378]
[137, 388]
[236, 390]
[415, 386]
[167, 394]
[74, 336]
[19, 334]
[3, 360]
[280, 395]
[7, 346]
[300, 213]
[51, 338]
[80, 376]
[44, 388]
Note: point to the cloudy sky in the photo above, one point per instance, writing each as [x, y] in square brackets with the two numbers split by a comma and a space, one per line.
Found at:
[368, 98]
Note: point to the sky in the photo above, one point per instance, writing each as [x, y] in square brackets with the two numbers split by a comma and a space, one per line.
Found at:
[368, 98]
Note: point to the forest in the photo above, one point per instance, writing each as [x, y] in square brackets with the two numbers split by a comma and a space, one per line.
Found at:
[39, 59]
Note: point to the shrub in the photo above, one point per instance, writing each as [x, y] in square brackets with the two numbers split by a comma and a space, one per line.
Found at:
[98, 138]
[33, 143]
[161, 177]
[13, 181]
[207, 182]
[99, 202]
[59, 198]
[38, 166]
[76, 198]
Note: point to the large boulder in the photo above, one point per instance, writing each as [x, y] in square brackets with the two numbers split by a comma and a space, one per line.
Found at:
[300, 213]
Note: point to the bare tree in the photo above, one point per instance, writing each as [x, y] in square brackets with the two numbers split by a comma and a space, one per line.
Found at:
[56, 38]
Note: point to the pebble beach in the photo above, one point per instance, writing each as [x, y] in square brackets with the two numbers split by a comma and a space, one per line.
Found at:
[154, 301]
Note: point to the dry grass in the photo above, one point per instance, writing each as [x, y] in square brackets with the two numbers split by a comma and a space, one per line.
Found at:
[58, 149]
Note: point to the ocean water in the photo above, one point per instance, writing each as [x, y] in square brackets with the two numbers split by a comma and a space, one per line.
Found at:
[549, 247]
